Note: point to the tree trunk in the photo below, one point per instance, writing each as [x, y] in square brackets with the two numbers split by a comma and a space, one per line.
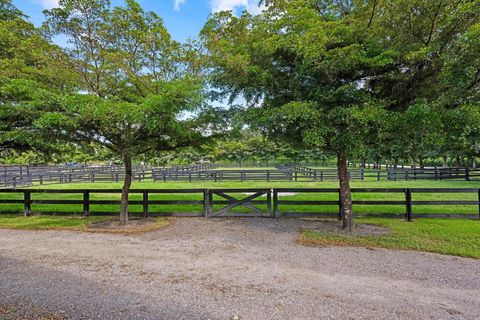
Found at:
[345, 194]
[127, 160]
[445, 161]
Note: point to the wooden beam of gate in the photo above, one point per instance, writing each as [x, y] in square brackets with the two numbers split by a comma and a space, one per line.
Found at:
[233, 200]
[238, 202]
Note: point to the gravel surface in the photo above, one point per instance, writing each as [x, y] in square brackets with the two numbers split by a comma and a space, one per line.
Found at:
[226, 269]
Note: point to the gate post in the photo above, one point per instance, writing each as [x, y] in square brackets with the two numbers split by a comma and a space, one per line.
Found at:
[275, 204]
[269, 202]
[206, 203]
[209, 202]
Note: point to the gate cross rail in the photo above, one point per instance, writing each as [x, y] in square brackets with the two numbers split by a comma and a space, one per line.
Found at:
[234, 202]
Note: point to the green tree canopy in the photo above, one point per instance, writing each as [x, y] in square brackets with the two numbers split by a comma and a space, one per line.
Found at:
[325, 72]
[30, 77]
[138, 88]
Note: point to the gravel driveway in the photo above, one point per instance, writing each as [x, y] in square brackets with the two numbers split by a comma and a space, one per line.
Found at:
[226, 269]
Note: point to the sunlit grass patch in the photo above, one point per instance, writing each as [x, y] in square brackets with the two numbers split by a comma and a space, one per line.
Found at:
[452, 237]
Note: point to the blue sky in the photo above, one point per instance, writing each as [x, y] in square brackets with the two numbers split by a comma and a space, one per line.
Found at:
[183, 18]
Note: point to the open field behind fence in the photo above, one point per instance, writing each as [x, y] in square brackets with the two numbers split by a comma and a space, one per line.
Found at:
[20, 176]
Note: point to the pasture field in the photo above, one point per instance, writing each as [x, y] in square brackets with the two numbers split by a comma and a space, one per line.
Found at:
[359, 209]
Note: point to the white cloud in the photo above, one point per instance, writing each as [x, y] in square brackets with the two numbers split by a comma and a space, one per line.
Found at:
[47, 4]
[177, 4]
[249, 5]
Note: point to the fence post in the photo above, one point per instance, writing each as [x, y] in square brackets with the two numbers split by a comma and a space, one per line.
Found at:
[86, 203]
[145, 204]
[478, 204]
[467, 174]
[26, 203]
[275, 203]
[408, 204]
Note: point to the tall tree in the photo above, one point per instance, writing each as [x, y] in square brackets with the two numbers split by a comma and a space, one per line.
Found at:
[325, 72]
[307, 73]
[138, 87]
[30, 77]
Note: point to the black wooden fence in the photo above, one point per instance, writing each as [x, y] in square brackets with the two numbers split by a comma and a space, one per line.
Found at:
[392, 174]
[276, 203]
[222, 175]
[18, 176]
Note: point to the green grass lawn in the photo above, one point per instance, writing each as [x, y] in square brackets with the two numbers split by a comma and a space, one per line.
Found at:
[452, 237]
[73, 223]
[359, 209]
[48, 222]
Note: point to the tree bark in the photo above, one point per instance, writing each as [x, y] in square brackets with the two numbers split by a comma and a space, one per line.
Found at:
[445, 161]
[127, 161]
[345, 193]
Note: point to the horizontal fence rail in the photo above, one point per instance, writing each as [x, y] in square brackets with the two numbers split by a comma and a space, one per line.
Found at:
[17, 176]
[248, 202]
[22, 176]
[413, 173]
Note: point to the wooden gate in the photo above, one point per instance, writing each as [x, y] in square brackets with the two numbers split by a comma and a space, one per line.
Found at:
[239, 203]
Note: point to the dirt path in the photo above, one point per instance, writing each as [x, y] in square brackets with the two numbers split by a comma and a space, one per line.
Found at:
[228, 269]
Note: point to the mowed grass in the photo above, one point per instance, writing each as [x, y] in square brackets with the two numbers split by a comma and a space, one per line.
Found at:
[191, 208]
[74, 223]
[451, 237]
[46, 222]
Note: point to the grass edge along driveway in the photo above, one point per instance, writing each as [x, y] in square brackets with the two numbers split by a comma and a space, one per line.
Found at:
[73, 223]
[455, 237]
